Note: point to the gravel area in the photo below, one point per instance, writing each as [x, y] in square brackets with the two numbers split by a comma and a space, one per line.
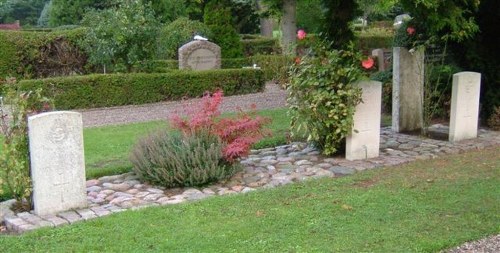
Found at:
[272, 97]
[486, 245]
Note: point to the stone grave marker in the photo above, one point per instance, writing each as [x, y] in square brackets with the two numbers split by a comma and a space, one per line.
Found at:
[383, 58]
[464, 106]
[199, 55]
[57, 162]
[407, 90]
[364, 141]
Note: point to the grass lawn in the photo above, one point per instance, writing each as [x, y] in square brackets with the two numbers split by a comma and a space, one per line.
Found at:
[424, 206]
[107, 148]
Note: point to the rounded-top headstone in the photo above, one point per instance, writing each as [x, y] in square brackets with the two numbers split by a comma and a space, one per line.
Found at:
[199, 55]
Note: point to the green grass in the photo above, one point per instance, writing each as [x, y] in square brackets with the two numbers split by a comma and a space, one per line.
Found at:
[424, 206]
[107, 148]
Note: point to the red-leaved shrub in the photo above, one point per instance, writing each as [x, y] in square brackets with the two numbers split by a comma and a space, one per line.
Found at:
[237, 134]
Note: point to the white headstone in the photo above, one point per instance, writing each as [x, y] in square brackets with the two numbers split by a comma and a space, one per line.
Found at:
[199, 55]
[364, 141]
[57, 162]
[383, 58]
[407, 90]
[464, 106]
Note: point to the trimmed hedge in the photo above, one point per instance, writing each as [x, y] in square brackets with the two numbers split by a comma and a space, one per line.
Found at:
[256, 44]
[94, 91]
[273, 66]
[374, 38]
[41, 54]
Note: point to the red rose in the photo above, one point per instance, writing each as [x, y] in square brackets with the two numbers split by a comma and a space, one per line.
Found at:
[410, 30]
[368, 63]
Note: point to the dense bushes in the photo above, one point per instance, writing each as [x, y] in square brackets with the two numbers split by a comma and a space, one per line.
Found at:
[218, 18]
[374, 38]
[174, 160]
[176, 34]
[255, 44]
[205, 150]
[323, 96]
[41, 54]
[92, 91]
[274, 67]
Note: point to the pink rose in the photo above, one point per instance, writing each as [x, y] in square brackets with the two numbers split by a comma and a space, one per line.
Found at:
[368, 63]
[301, 34]
[410, 30]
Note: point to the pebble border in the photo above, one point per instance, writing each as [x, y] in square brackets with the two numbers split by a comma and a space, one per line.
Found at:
[264, 168]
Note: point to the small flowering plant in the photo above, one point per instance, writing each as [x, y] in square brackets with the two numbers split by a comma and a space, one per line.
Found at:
[237, 134]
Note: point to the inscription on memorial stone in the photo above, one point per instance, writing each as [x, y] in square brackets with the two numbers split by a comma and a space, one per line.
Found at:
[199, 55]
[57, 162]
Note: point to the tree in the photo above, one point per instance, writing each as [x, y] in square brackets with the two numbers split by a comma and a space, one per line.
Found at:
[64, 12]
[375, 7]
[218, 18]
[121, 36]
[336, 27]
[26, 11]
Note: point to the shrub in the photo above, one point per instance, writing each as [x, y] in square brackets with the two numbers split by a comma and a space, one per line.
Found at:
[385, 77]
[237, 134]
[14, 158]
[120, 37]
[258, 45]
[173, 160]
[322, 96]
[92, 91]
[41, 54]
[370, 39]
[494, 120]
[178, 33]
[219, 19]
[204, 151]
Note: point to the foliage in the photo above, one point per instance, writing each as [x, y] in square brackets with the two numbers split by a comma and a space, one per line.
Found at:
[409, 35]
[373, 38]
[14, 159]
[65, 12]
[26, 11]
[254, 44]
[166, 11]
[174, 160]
[274, 67]
[218, 18]
[385, 77]
[93, 91]
[494, 120]
[237, 134]
[323, 96]
[41, 54]
[371, 8]
[437, 90]
[43, 19]
[121, 37]
[309, 15]
[443, 20]
[481, 53]
[336, 27]
[176, 34]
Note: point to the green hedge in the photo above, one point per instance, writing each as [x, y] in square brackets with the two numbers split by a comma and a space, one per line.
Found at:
[25, 54]
[374, 38]
[255, 45]
[94, 91]
[273, 66]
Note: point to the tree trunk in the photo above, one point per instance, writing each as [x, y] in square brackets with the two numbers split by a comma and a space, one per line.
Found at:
[289, 26]
[266, 23]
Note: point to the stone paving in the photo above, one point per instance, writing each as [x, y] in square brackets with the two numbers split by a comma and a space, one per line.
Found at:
[265, 168]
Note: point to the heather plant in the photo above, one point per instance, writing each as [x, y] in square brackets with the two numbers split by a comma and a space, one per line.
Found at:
[323, 95]
[204, 149]
[176, 160]
[14, 158]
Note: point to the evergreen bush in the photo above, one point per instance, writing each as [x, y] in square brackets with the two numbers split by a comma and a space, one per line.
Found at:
[219, 19]
[178, 33]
